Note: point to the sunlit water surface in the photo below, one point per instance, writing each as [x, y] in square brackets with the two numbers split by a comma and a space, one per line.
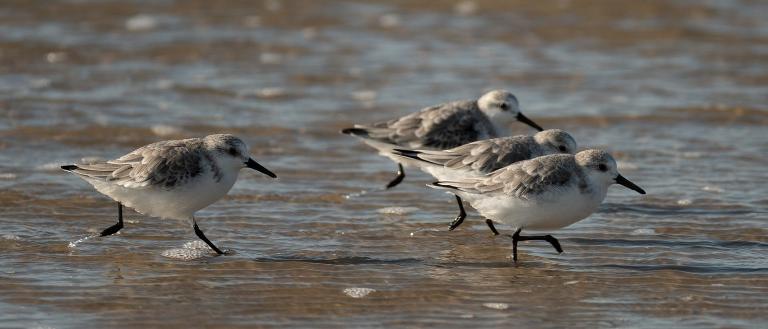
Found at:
[676, 90]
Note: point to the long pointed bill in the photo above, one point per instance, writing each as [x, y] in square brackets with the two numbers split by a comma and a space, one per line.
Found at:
[623, 181]
[524, 119]
[256, 166]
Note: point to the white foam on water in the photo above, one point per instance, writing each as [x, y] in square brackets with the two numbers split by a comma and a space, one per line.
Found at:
[397, 210]
[684, 202]
[643, 231]
[196, 244]
[713, 189]
[355, 195]
[73, 244]
[56, 57]
[496, 306]
[271, 92]
[12, 237]
[358, 292]
[140, 23]
[190, 250]
[184, 253]
[427, 229]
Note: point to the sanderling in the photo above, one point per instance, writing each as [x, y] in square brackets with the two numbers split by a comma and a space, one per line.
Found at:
[171, 179]
[442, 126]
[483, 157]
[548, 192]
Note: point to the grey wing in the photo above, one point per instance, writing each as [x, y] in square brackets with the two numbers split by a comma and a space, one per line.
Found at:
[526, 178]
[98, 170]
[162, 164]
[490, 155]
[472, 156]
[454, 125]
[400, 131]
[439, 127]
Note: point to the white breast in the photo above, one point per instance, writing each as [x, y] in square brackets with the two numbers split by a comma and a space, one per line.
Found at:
[544, 211]
[181, 202]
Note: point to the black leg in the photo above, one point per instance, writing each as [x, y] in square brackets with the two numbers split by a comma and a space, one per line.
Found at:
[517, 237]
[460, 218]
[490, 225]
[114, 228]
[463, 214]
[200, 235]
[398, 178]
[555, 244]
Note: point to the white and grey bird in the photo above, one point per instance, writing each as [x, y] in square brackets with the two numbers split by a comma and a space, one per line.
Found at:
[543, 193]
[485, 156]
[443, 126]
[171, 179]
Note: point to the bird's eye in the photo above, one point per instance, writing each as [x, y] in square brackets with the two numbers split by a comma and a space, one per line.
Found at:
[562, 148]
[232, 151]
[602, 167]
[504, 106]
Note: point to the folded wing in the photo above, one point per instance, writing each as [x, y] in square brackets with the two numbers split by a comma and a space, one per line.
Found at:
[483, 156]
[438, 127]
[164, 164]
[520, 180]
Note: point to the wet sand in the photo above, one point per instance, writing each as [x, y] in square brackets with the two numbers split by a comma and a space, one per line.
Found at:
[675, 90]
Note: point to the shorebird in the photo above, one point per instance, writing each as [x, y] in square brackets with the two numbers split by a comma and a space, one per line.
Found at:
[171, 179]
[442, 126]
[485, 156]
[543, 193]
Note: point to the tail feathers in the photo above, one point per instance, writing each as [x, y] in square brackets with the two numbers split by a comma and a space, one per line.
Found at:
[464, 186]
[104, 170]
[413, 154]
[355, 132]
[368, 133]
[443, 186]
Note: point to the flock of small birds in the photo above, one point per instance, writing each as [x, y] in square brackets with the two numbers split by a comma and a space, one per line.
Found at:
[537, 182]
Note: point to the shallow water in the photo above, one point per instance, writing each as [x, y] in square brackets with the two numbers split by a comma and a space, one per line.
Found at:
[676, 90]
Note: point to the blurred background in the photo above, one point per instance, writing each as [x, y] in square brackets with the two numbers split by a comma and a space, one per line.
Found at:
[676, 90]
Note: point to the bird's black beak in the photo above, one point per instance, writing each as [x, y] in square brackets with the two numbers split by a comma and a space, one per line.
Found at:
[623, 181]
[256, 166]
[524, 119]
